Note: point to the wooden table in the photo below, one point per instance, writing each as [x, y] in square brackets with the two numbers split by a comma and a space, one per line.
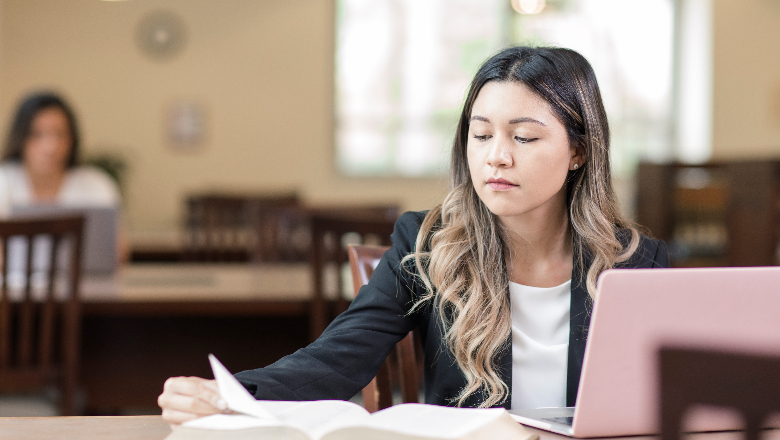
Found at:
[153, 428]
[195, 288]
[83, 428]
[154, 321]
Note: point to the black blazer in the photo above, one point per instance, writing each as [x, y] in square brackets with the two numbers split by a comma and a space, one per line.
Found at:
[350, 351]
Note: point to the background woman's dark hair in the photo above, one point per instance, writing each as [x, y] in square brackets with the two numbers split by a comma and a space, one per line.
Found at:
[22, 124]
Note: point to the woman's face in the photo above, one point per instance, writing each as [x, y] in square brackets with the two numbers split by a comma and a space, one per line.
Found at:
[47, 147]
[519, 153]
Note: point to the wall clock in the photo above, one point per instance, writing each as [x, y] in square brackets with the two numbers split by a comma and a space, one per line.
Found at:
[161, 35]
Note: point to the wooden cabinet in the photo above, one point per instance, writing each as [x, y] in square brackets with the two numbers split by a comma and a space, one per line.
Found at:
[716, 214]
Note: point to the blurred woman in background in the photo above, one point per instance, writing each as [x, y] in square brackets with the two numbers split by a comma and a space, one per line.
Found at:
[40, 161]
[40, 164]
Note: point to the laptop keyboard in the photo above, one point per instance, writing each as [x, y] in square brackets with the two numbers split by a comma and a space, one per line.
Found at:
[568, 421]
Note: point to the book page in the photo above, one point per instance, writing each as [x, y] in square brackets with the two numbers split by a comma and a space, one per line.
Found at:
[436, 422]
[245, 433]
[312, 417]
[230, 422]
[316, 417]
[431, 420]
[235, 395]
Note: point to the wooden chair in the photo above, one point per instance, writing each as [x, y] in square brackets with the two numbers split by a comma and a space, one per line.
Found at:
[38, 311]
[747, 383]
[378, 394]
[284, 234]
[329, 230]
[227, 227]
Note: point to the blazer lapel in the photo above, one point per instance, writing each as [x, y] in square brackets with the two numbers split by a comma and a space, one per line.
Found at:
[581, 304]
[505, 372]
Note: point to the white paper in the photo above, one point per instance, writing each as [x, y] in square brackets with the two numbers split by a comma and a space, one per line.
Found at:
[235, 395]
[432, 421]
[229, 422]
[317, 417]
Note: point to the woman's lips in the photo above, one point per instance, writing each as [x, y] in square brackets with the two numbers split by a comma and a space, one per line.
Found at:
[500, 184]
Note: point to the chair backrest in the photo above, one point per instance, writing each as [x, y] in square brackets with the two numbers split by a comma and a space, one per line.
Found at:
[748, 383]
[227, 227]
[284, 234]
[363, 259]
[39, 305]
[402, 361]
[331, 230]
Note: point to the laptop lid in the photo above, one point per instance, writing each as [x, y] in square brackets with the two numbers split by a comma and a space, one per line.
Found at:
[639, 310]
[100, 228]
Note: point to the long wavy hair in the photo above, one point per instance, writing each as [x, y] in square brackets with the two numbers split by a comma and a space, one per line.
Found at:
[461, 247]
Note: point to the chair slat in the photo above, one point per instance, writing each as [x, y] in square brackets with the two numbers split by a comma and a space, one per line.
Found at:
[71, 331]
[407, 367]
[46, 324]
[5, 310]
[25, 328]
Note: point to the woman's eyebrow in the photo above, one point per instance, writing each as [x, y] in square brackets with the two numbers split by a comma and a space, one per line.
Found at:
[526, 119]
[511, 121]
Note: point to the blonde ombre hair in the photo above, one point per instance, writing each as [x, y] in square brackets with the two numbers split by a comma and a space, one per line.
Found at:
[461, 247]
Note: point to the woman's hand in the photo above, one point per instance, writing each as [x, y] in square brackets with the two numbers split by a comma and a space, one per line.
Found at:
[187, 398]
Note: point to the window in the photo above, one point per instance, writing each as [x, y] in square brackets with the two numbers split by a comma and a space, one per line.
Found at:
[403, 68]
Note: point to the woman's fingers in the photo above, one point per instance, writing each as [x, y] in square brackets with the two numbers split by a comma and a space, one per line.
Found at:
[190, 404]
[186, 398]
[175, 417]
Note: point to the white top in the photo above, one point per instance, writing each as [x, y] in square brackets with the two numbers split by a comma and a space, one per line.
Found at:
[83, 186]
[540, 344]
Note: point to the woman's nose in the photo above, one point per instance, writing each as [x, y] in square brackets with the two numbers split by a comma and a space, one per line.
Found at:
[48, 140]
[500, 154]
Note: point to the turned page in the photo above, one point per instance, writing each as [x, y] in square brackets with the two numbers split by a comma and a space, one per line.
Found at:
[314, 417]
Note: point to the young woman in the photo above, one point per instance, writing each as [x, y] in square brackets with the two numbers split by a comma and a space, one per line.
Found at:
[40, 162]
[500, 278]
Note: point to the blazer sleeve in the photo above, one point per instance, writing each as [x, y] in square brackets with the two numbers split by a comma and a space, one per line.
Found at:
[661, 258]
[350, 351]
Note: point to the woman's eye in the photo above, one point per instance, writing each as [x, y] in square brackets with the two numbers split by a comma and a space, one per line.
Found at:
[523, 140]
[481, 137]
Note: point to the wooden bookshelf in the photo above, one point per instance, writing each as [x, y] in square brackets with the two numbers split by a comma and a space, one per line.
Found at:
[715, 214]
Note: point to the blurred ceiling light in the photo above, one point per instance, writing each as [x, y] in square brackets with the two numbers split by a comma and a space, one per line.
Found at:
[528, 6]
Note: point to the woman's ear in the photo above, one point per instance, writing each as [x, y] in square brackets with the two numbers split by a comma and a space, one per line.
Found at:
[578, 157]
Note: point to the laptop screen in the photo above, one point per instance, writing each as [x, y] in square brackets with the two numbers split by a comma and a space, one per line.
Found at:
[99, 240]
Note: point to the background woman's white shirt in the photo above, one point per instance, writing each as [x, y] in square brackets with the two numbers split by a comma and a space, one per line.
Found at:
[540, 344]
[82, 186]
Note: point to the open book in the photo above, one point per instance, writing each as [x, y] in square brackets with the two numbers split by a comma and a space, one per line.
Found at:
[339, 420]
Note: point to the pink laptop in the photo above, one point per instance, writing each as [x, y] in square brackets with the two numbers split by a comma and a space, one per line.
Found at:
[637, 311]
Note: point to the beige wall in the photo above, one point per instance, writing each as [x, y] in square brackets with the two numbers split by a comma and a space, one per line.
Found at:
[262, 68]
[746, 79]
